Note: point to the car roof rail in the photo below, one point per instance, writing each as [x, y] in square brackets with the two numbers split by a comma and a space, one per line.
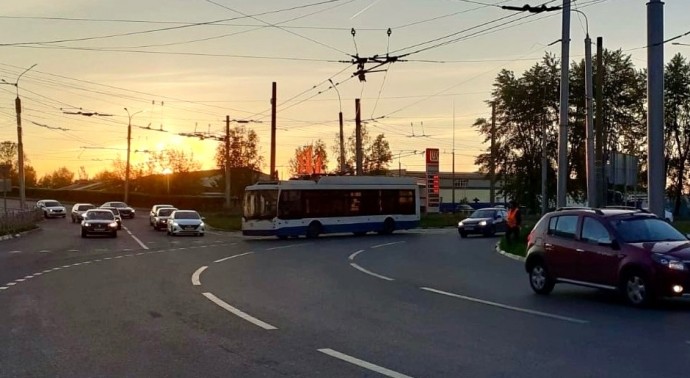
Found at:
[596, 211]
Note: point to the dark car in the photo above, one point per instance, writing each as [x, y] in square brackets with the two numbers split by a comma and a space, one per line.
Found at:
[116, 213]
[631, 251]
[485, 222]
[78, 211]
[125, 210]
[99, 221]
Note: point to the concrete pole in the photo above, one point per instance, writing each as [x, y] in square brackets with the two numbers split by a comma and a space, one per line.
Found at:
[129, 145]
[20, 155]
[656, 176]
[563, 172]
[599, 153]
[589, 143]
[544, 165]
[228, 182]
[492, 168]
[342, 144]
[452, 185]
[274, 100]
[358, 138]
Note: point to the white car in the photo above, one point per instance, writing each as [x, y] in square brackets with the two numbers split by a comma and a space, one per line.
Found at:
[51, 208]
[186, 222]
[154, 209]
[160, 221]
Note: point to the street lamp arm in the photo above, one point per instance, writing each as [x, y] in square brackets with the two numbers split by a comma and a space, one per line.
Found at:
[340, 101]
[586, 19]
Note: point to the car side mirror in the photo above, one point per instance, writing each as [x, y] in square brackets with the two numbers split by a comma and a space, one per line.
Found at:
[498, 217]
[687, 236]
[203, 218]
[613, 244]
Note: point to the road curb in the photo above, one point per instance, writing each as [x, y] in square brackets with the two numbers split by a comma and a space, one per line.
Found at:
[18, 235]
[508, 255]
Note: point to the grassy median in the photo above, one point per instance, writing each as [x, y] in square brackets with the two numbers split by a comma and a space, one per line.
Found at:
[233, 222]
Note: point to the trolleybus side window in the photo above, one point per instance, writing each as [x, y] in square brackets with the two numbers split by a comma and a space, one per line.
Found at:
[260, 204]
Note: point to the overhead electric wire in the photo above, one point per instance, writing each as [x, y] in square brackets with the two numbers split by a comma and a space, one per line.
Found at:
[164, 29]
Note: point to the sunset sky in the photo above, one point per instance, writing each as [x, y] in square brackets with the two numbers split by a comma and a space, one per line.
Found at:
[187, 63]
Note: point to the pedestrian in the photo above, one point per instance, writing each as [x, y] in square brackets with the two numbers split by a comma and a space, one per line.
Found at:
[513, 222]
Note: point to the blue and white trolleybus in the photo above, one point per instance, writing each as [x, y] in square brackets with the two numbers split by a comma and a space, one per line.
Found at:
[331, 204]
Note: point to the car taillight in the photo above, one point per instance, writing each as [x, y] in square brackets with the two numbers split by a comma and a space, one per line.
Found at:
[530, 238]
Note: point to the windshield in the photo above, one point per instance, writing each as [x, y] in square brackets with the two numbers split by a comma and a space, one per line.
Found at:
[637, 230]
[187, 215]
[100, 215]
[52, 204]
[165, 212]
[483, 214]
[85, 207]
[113, 210]
[260, 204]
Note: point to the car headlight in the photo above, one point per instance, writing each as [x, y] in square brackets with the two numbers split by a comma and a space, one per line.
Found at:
[175, 224]
[113, 224]
[482, 223]
[201, 224]
[133, 210]
[86, 224]
[668, 262]
[460, 224]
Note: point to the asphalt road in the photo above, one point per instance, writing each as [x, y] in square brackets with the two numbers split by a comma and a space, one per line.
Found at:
[421, 304]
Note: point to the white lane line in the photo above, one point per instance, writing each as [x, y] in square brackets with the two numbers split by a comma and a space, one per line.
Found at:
[118, 257]
[232, 257]
[361, 363]
[4, 287]
[28, 277]
[352, 256]
[371, 273]
[387, 244]
[73, 250]
[238, 312]
[507, 307]
[65, 266]
[136, 239]
[127, 249]
[38, 273]
[15, 252]
[107, 258]
[196, 275]
[10, 284]
[287, 246]
[44, 251]
[139, 254]
[20, 279]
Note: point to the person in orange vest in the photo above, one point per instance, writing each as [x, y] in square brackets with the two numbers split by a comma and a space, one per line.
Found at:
[513, 222]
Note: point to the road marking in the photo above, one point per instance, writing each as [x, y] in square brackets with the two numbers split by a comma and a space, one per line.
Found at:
[507, 307]
[10, 284]
[139, 254]
[371, 273]
[44, 251]
[20, 279]
[4, 287]
[73, 250]
[136, 239]
[387, 244]
[287, 246]
[65, 266]
[107, 258]
[15, 252]
[361, 363]
[196, 275]
[238, 312]
[127, 249]
[28, 277]
[352, 256]
[86, 262]
[38, 273]
[118, 257]
[232, 257]
[181, 248]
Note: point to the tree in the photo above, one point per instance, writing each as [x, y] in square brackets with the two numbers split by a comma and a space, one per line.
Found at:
[244, 150]
[174, 159]
[677, 127]
[59, 178]
[8, 152]
[376, 154]
[309, 159]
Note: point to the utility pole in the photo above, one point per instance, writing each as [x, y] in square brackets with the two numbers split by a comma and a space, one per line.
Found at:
[589, 144]
[453, 176]
[20, 143]
[656, 175]
[129, 145]
[342, 137]
[358, 137]
[599, 153]
[228, 182]
[563, 172]
[492, 167]
[544, 172]
[273, 132]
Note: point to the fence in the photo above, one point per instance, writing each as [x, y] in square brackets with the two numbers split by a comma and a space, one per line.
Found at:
[13, 221]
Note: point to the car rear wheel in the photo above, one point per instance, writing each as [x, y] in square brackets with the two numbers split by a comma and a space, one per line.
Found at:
[637, 289]
[539, 279]
[314, 230]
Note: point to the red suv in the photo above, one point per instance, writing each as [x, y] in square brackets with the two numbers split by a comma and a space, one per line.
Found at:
[631, 251]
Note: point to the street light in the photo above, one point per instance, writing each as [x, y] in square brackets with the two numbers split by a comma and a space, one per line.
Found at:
[129, 143]
[167, 172]
[20, 144]
[342, 137]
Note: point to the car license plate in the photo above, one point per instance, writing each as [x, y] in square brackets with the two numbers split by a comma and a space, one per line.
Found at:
[469, 228]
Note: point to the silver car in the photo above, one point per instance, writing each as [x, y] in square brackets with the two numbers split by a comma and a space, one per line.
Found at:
[186, 222]
[51, 208]
[154, 209]
[160, 221]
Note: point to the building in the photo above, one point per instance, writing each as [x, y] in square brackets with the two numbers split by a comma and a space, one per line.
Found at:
[469, 187]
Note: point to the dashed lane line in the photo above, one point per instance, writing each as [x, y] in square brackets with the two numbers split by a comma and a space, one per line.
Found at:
[287, 246]
[238, 312]
[364, 364]
[370, 272]
[15, 252]
[352, 256]
[136, 239]
[387, 244]
[197, 275]
[506, 307]
[232, 257]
